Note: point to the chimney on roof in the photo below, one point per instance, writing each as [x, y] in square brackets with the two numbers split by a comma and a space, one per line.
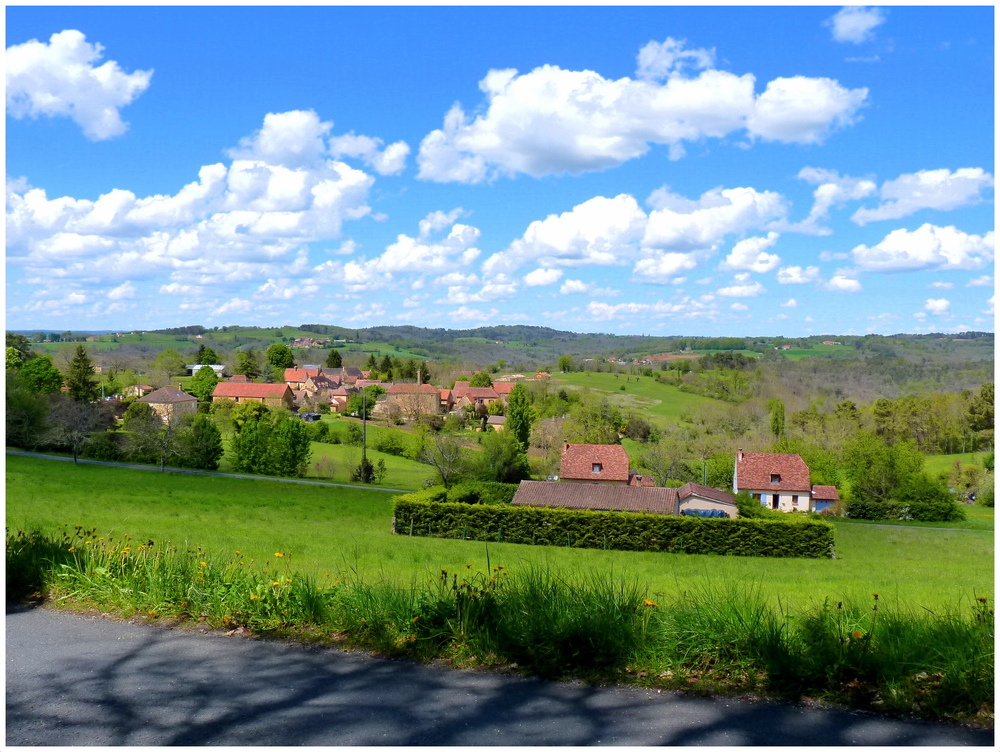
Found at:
[565, 448]
[420, 376]
[739, 455]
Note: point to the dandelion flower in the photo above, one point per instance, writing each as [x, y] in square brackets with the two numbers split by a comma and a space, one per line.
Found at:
[280, 555]
[275, 583]
[202, 564]
[648, 602]
[857, 634]
[875, 596]
[73, 548]
[253, 597]
[980, 599]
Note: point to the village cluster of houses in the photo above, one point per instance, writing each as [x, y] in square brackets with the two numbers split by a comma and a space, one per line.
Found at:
[312, 385]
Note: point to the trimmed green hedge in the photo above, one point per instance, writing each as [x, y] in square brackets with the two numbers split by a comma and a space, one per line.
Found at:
[624, 531]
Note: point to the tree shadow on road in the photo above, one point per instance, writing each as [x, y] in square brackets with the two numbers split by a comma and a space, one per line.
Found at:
[108, 683]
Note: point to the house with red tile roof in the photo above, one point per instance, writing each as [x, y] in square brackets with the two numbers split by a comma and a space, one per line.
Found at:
[594, 463]
[780, 481]
[272, 395]
[504, 388]
[297, 378]
[474, 395]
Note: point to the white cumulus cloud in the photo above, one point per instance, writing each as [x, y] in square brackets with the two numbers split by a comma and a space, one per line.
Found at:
[660, 60]
[62, 79]
[842, 282]
[750, 255]
[937, 306]
[552, 121]
[832, 190]
[678, 224]
[928, 247]
[603, 231]
[388, 161]
[798, 275]
[540, 277]
[790, 303]
[743, 287]
[244, 222]
[124, 290]
[928, 189]
[855, 24]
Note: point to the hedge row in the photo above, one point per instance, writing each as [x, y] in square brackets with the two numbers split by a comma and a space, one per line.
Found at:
[624, 531]
[922, 511]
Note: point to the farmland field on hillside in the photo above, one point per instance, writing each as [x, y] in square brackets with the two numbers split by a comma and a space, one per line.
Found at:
[642, 393]
[326, 531]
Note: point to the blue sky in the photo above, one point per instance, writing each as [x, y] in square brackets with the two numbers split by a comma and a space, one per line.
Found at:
[692, 171]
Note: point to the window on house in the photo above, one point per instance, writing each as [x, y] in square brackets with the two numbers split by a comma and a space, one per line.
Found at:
[775, 478]
[795, 500]
[597, 467]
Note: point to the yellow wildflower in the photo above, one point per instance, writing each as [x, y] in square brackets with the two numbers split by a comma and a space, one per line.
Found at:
[857, 634]
[280, 555]
[648, 602]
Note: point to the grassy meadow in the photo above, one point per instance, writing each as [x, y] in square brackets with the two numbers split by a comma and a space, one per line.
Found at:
[642, 393]
[330, 532]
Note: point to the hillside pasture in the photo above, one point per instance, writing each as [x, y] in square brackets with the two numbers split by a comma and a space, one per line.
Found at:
[326, 531]
[643, 394]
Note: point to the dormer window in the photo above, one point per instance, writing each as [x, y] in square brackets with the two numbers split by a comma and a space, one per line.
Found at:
[597, 467]
[775, 479]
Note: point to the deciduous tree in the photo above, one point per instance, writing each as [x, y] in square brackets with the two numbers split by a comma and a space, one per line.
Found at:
[447, 456]
[41, 376]
[203, 384]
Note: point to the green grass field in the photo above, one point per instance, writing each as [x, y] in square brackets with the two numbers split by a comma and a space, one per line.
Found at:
[334, 530]
[642, 393]
[936, 464]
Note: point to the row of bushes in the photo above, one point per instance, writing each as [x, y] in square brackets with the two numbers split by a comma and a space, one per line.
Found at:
[942, 510]
[470, 492]
[414, 514]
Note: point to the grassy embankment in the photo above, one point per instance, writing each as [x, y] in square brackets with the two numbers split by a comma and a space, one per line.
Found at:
[333, 530]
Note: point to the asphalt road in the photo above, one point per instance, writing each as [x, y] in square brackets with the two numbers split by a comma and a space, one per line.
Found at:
[75, 680]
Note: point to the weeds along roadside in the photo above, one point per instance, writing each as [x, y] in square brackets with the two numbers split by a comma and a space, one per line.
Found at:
[594, 626]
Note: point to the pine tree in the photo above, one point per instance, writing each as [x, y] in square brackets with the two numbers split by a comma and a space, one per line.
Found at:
[333, 360]
[80, 378]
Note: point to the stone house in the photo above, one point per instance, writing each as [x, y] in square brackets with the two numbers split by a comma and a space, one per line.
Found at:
[171, 403]
[272, 395]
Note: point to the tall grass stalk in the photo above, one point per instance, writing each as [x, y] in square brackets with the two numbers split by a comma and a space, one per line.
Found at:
[591, 625]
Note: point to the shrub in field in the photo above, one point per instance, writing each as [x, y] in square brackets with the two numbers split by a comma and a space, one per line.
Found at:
[390, 443]
[104, 446]
[613, 530]
[920, 510]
